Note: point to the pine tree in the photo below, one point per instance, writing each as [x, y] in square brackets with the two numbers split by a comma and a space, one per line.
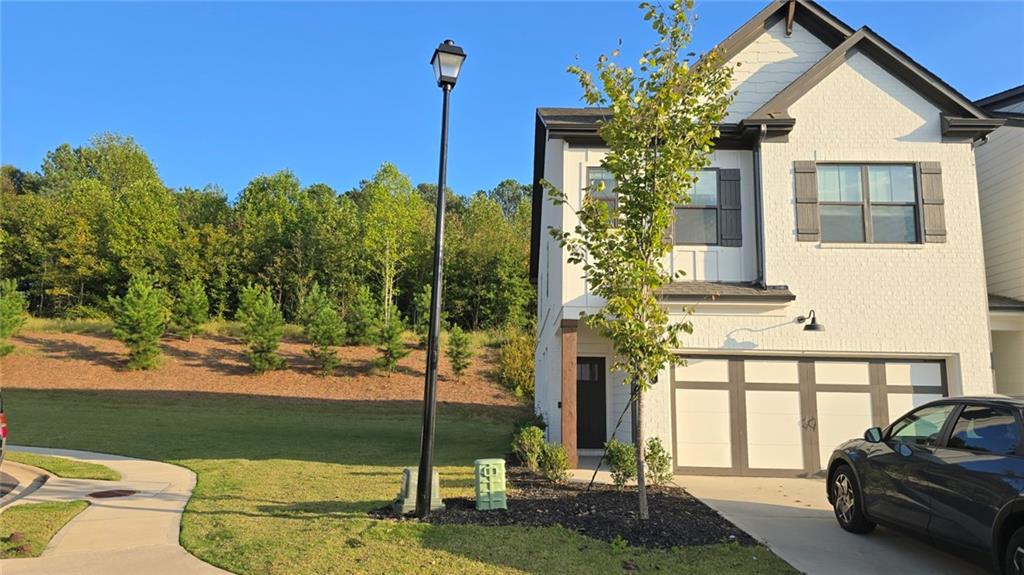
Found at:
[421, 323]
[390, 342]
[262, 324]
[191, 309]
[12, 313]
[140, 318]
[458, 350]
[324, 328]
[362, 317]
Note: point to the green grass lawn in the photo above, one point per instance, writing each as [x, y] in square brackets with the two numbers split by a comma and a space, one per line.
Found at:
[64, 467]
[284, 486]
[38, 522]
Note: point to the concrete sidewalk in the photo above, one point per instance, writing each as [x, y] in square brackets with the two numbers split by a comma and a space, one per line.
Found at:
[122, 535]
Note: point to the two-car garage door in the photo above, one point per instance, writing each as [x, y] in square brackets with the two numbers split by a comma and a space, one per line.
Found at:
[784, 416]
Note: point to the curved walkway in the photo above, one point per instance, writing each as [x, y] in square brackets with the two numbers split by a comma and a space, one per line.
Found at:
[123, 535]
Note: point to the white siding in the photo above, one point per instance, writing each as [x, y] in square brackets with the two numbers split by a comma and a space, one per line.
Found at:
[1001, 187]
[769, 64]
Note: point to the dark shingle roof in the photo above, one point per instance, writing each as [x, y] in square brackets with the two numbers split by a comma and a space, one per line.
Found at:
[1003, 303]
[720, 291]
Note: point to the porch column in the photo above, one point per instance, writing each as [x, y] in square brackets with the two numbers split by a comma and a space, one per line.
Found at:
[568, 403]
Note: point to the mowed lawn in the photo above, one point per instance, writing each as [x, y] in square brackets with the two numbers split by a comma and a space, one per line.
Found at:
[284, 485]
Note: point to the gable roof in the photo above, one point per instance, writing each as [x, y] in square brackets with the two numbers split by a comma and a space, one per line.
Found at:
[1002, 99]
[961, 117]
[818, 21]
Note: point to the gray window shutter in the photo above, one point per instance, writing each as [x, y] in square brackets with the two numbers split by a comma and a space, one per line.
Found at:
[932, 202]
[808, 228]
[730, 218]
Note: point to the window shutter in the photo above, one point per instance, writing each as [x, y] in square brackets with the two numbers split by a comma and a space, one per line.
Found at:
[808, 228]
[933, 205]
[730, 216]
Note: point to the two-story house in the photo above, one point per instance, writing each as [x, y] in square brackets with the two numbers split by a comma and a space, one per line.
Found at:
[844, 183]
[1001, 186]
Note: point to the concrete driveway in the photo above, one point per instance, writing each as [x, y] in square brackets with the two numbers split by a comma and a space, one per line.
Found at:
[793, 517]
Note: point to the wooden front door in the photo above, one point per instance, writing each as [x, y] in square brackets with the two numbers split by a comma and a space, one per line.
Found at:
[591, 425]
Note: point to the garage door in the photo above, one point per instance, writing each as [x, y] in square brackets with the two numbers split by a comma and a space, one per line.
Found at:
[784, 416]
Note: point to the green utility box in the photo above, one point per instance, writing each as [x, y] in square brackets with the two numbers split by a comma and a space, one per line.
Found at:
[406, 500]
[490, 484]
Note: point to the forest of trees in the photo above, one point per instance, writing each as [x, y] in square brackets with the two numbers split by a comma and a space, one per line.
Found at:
[72, 234]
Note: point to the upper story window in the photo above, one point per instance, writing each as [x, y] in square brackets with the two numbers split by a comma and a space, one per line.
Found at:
[696, 223]
[874, 203]
[601, 185]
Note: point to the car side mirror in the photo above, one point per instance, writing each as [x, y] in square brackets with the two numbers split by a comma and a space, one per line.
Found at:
[873, 435]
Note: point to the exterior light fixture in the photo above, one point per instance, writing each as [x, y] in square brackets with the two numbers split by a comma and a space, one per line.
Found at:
[447, 63]
[813, 324]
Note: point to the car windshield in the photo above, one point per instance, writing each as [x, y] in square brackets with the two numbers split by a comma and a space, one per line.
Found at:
[921, 427]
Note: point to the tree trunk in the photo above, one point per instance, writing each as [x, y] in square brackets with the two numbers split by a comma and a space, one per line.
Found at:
[638, 442]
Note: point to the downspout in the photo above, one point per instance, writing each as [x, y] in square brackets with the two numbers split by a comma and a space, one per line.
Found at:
[758, 216]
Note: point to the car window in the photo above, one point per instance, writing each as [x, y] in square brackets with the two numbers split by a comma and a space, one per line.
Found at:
[922, 427]
[988, 429]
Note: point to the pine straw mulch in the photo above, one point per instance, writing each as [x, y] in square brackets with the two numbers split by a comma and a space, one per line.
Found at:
[677, 519]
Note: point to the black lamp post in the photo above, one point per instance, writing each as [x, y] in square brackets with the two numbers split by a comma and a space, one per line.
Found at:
[447, 63]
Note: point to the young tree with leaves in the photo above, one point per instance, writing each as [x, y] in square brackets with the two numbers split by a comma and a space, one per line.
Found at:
[323, 326]
[191, 309]
[12, 313]
[140, 319]
[391, 341]
[664, 120]
[262, 325]
[361, 320]
[458, 350]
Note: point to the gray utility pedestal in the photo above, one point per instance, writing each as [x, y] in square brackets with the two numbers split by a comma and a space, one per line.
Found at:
[406, 500]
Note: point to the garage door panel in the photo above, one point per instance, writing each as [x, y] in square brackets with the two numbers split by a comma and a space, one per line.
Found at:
[773, 430]
[924, 374]
[703, 428]
[901, 403]
[771, 371]
[842, 372]
[841, 416]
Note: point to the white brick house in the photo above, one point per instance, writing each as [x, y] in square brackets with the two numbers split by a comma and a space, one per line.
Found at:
[1001, 186]
[843, 182]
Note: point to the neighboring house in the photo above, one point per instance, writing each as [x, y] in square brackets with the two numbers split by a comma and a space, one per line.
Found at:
[1001, 187]
[843, 182]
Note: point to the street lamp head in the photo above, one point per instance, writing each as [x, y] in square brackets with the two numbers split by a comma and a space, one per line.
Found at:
[447, 63]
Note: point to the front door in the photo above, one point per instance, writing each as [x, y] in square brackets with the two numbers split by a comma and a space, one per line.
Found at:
[591, 430]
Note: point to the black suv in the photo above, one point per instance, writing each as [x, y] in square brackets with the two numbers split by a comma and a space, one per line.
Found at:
[951, 471]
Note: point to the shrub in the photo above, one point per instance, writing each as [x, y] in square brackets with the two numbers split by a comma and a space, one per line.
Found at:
[515, 366]
[361, 318]
[80, 311]
[140, 319]
[536, 420]
[12, 313]
[527, 444]
[621, 458]
[554, 463]
[421, 321]
[323, 328]
[191, 309]
[659, 463]
[390, 342]
[458, 350]
[262, 326]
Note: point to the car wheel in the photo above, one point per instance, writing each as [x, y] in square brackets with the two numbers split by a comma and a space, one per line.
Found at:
[1014, 562]
[846, 502]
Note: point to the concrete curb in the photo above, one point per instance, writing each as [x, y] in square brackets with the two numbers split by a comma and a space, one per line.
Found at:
[29, 478]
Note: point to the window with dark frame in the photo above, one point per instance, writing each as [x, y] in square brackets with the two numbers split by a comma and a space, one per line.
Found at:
[868, 203]
[696, 223]
[601, 186]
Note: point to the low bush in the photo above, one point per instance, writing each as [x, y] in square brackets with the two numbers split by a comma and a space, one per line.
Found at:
[554, 463]
[515, 366]
[527, 444]
[535, 419]
[80, 311]
[621, 458]
[659, 463]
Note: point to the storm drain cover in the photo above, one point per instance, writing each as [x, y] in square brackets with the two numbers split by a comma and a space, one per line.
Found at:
[112, 493]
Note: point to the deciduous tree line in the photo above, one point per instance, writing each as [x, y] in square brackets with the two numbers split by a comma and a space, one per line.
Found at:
[74, 233]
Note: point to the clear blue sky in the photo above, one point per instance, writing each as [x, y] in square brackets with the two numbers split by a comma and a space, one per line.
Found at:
[221, 92]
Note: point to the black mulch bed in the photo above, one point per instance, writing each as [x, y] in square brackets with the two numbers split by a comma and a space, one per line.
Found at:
[677, 519]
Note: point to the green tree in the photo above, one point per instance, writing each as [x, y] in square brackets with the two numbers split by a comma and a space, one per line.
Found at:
[12, 313]
[140, 319]
[262, 326]
[191, 309]
[361, 318]
[458, 350]
[391, 341]
[665, 118]
[510, 195]
[323, 327]
[421, 314]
